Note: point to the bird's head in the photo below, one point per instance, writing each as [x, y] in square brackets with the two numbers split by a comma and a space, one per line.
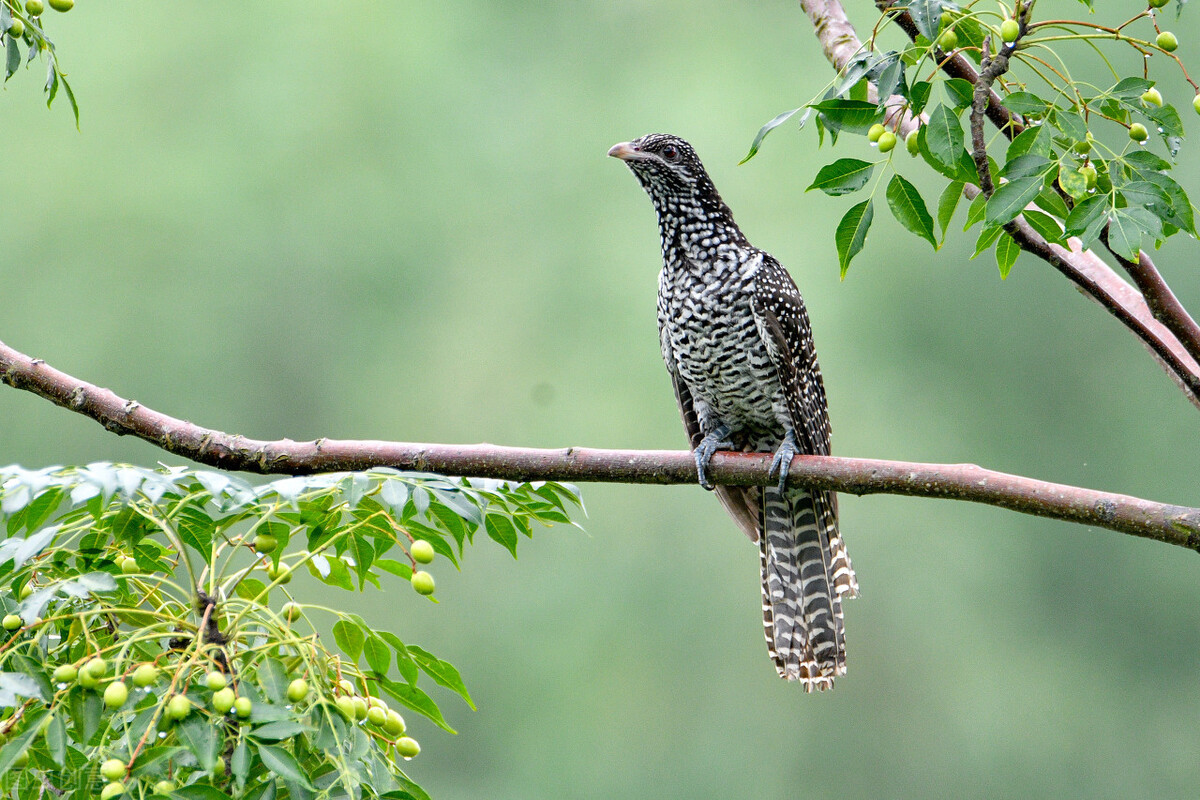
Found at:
[668, 170]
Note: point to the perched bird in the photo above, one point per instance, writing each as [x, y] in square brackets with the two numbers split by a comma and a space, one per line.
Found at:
[739, 349]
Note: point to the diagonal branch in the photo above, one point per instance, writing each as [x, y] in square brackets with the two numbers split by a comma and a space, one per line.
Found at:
[1090, 274]
[1172, 524]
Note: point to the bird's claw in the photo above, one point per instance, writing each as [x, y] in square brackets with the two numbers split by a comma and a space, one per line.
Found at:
[704, 453]
[782, 462]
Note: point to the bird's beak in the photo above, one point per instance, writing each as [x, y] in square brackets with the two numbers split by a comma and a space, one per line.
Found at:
[626, 151]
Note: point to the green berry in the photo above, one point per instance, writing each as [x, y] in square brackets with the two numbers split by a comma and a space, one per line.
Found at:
[243, 706]
[22, 759]
[61, 5]
[145, 675]
[1167, 41]
[116, 694]
[265, 543]
[407, 747]
[16, 28]
[1158, 3]
[116, 788]
[178, 707]
[1138, 132]
[1152, 97]
[164, 787]
[215, 681]
[113, 769]
[1089, 174]
[290, 611]
[360, 708]
[87, 680]
[912, 143]
[12, 621]
[886, 143]
[26, 590]
[223, 700]
[65, 673]
[219, 768]
[34, 7]
[422, 551]
[297, 690]
[873, 134]
[394, 724]
[948, 40]
[281, 573]
[345, 704]
[97, 668]
[422, 581]
[129, 566]
[1010, 29]
[376, 716]
[1196, 103]
[346, 686]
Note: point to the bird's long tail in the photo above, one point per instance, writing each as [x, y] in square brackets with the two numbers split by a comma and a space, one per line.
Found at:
[805, 573]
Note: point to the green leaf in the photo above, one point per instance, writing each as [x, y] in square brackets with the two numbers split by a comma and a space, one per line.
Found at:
[1165, 118]
[1007, 251]
[1010, 199]
[1045, 225]
[1025, 103]
[274, 679]
[379, 655]
[947, 203]
[284, 764]
[12, 58]
[1034, 140]
[199, 737]
[21, 742]
[350, 638]
[1126, 228]
[987, 237]
[960, 91]
[851, 233]
[56, 740]
[944, 135]
[770, 126]
[918, 94]
[1049, 201]
[278, 730]
[909, 209]
[1072, 182]
[1070, 123]
[199, 792]
[927, 16]
[442, 672]
[1085, 213]
[1180, 214]
[418, 701]
[1130, 89]
[1145, 161]
[842, 176]
[855, 116]
[501, 530]
[1027, 165]
[975, 211]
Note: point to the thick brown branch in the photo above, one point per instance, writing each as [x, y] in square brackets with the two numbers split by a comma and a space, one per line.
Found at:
[1172, 524]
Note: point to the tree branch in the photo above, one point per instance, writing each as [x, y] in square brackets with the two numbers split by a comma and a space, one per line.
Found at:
[1172, 524]
[1090, 274]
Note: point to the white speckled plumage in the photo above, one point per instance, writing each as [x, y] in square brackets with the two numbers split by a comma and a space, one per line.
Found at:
[737, 343]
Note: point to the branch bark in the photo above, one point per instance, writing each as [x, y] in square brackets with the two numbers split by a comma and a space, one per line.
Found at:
[1172, 524]
[1092, 276]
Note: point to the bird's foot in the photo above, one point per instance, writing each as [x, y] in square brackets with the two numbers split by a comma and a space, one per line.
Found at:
[704, 453]
[783, 459]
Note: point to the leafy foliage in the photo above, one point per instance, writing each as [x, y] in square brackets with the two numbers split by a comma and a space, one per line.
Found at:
[141, 628]
[23, 25]
[1077, 152]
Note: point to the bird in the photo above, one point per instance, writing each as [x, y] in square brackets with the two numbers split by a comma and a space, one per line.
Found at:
[738, 346]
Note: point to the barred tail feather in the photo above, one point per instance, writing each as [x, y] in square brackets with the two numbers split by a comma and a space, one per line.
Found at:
[805, 572]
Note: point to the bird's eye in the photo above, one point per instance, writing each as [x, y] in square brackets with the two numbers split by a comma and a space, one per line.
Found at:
[670, 153]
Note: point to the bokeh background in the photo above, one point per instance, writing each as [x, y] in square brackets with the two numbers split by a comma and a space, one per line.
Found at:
[397, 220]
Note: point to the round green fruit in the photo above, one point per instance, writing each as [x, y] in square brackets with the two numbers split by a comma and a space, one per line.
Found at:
[1152, 97]
[116, 788]
[219, 768]
[912, 143]
[948, 40]
[215, 681]
[360, 708]
[1138, 132]
[16, 29]
[886, 143]
[345, 704]
[407, 746]
[873, 134]
[97, 668]
[422, 551]
[1010, 29]
[265, 543]
[1089, 174]
[129, 566]
[34, 7]
[394, 724]
[145, 675]
[113, 769]
[281, 573]
[12, 621]
[346, 686]
[1167, 41]
[422, 581]
[290, 611]
[164, 787]
[65, 673]
[243, 706]
[26, 590]
[1158, 3]
[223, 700]
[297, 690]
[1196, 103]
[22, 759]
[116, 694]
[61, 5]
[377, 717]
[87, 680]
[178, 707]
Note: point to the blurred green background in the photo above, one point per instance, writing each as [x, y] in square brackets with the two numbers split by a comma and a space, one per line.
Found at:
[398, 221]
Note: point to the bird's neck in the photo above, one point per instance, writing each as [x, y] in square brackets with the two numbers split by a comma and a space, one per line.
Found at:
[702, 228]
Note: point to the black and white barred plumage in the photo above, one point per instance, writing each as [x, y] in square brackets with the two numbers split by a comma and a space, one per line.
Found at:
[737, 343]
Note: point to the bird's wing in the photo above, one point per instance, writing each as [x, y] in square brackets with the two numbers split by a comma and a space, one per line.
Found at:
[782, 322]
[744, 503]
